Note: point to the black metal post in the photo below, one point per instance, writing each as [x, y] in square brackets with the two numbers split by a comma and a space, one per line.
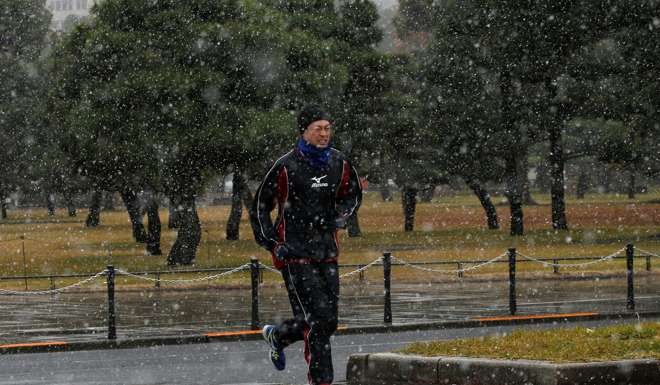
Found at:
[387, 278]
[512, 281]
[254, 273]
[157, 280]
[648, 263]
[112, 328]
[630, 255]
[24, 262]
[460, 269]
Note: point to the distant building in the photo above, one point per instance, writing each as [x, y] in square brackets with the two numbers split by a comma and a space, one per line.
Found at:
[68, 12]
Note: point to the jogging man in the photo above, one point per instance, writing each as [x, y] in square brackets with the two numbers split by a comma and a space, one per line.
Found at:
[315, 189]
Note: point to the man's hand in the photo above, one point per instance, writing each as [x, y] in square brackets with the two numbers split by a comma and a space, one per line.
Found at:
[281, 251]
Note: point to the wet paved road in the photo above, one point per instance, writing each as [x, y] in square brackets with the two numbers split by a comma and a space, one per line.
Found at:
[81, 316]
[208, 364]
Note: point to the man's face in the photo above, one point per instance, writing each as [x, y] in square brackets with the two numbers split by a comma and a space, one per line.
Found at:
[318, 133]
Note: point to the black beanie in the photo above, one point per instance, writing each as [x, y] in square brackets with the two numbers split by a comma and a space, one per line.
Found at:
[309, 114]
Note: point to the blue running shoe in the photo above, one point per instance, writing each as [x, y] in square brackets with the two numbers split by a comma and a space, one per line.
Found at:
[276, 352]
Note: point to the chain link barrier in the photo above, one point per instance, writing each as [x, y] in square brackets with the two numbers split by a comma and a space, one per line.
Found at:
[363, 268]
[647, 252]
[453, 271]
[377, 261]
[184, 281]
[271, 269]
[53, 291]
[545, 263]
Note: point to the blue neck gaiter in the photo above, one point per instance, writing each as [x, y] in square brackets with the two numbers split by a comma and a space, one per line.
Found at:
[317, 157]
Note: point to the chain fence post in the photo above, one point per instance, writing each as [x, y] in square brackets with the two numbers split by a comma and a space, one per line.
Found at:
[387, 280]
[24, 262]
[630, 255]
[512, 281]
[648, 263]
[460, 269]
[254, 274]
[157, 284]
[112, 328]
[555, 266]
[361, 273]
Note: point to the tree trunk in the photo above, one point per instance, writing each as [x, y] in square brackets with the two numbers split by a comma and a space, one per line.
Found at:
[513, 157]
[234, 220]
[246, 195]
[50, 204]
[486, 203]
[353, 226]
[190, 233]
[557, 190]
[582, 185]
[70, 205]
[172, 221]
[3, 205]
[94, 216]
[409, 200]
[153, 226]
[386, 193]
[108, 201]
[527, 193]
[556, 160]
[514, 195]
[631, 185]
[132, 204]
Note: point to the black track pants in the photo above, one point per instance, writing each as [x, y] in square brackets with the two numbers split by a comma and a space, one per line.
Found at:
[313, 292]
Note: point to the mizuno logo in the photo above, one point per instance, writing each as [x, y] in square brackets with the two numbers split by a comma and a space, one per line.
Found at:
[317, 182]
[318, 179]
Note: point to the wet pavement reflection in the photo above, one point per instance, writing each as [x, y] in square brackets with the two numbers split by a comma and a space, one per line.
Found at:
[160, 312]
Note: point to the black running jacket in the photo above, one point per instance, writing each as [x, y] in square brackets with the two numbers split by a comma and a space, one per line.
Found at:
[312, 204]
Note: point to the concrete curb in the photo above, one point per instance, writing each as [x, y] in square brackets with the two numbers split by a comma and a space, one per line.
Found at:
[395, 369]
[251, 335]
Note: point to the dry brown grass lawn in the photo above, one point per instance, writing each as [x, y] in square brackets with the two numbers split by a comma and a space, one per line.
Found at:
[580, 344]
[446, 229]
